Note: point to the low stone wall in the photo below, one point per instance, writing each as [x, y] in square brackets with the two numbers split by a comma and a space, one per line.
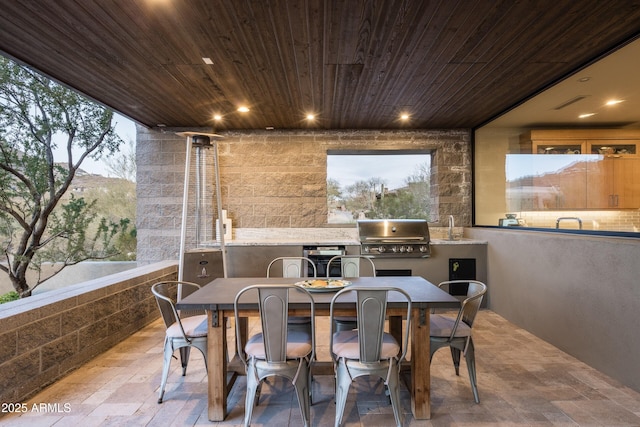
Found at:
[44, 337]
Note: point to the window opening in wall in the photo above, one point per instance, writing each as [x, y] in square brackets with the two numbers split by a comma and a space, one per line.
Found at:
[378, 184]
[558, 183]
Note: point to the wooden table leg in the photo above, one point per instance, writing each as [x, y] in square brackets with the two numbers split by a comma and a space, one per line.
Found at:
[244, 330]
[395, 327]
[420, 369]
[217, 366]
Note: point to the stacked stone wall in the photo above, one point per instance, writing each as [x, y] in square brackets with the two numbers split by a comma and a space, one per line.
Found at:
[46, 336]
[277, 179]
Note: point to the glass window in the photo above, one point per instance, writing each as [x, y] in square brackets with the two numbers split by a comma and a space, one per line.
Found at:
[377, 184]
[554, 184]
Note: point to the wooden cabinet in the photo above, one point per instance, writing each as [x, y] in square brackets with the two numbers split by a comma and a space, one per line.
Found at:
[566, 189]
[614, 148]
[606, 177]
[559, 147]
[613, 182]
[620, 142]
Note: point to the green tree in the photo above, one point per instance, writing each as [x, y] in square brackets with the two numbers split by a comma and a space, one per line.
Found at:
[371, 198]
[403, 203]
[115, 201]
[124, 165]
[38, 223]
[361, 196]
[333, 191]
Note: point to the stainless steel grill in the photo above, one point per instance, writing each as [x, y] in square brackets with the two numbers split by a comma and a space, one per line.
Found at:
[394, 238]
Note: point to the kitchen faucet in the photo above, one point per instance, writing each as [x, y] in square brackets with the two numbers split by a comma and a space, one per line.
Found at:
[567, 218]
[451, 225]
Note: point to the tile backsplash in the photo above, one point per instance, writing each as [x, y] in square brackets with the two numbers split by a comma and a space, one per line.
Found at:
[627, 221]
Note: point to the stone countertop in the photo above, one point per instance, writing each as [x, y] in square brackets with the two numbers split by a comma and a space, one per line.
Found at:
[458, 241]
[319, 237]
[283, 241]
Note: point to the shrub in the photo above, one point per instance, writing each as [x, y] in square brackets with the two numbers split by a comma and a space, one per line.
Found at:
[8, 297]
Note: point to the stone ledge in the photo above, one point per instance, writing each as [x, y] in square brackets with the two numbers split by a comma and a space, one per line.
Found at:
[46, 336]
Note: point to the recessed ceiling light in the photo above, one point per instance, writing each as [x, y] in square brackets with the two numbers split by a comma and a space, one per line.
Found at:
[614, 101]
[584, 116]
[217, 117]
[243, 109]
[584, 79]
[311, 117]
[404, 117]
[207, 61]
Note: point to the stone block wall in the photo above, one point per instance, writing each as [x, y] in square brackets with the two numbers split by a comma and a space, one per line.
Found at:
[277, 179]
[46, 336]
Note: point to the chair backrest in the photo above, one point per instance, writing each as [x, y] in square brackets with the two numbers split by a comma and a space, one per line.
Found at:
[167, 294]
[273, 303]
[350, 265]
[472, 301]
[371, 308]
[471, 304]
[293, 266]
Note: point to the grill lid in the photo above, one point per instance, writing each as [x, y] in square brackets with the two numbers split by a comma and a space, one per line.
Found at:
[393, 230]
[394, 237]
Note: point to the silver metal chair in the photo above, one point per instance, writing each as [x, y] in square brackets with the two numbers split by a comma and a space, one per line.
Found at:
[294, 267]
[455, 332]
[184, 330]
[368, 350]
[350, 267]
[276, 350]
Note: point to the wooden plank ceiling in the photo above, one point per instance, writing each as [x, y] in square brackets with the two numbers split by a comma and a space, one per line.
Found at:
[354, 63]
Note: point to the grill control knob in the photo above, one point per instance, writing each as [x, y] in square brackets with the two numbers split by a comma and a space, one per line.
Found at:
[409, 249]
[365, 249]
[423, 248]
[382, 249]
[394, 249]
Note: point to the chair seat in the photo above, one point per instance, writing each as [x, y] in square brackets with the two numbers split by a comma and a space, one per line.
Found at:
[194, 326]
[345, 318]
[345, 344]
[441, 326]
[298, 345]
[298, 320]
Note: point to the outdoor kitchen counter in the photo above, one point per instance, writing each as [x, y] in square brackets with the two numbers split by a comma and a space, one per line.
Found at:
[321, 237]
[282, 241]
[330, 242]
[458, 241]
[250, 251]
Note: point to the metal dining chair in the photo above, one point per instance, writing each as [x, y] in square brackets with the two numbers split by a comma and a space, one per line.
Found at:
[276, 350]
[183, 329]
[368, 350]
[294, 267]
[350, 266]
[455, 332]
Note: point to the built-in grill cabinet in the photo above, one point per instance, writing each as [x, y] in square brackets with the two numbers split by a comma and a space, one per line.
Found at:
[394, 238]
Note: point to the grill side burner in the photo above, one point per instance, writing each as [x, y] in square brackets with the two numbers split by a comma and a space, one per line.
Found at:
[394, 238]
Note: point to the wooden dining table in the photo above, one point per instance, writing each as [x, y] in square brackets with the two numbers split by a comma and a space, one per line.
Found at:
[218, 296]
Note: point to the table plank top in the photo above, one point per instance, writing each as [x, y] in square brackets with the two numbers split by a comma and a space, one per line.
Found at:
[220, 293]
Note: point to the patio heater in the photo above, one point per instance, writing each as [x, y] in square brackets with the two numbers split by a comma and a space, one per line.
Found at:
[198, 264]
